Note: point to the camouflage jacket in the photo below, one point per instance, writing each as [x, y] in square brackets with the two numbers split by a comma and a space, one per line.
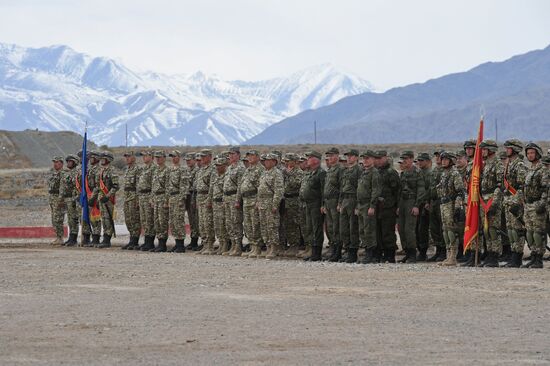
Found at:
[216, 187]
[232, 178]
[390, 182]
[313, 186]
[293, 180]
[145, 179]
[412, 186]
[109, 179]
[67, 183]
[333, 181]
[93, 174]
[130, 181]
[369, 188]
[161, 176]
[492, 176]
[271, 188]
[203, 177]
[54, 182]
[514, 175]
[534, 189]
[451, 187]
[179, 182]
[348, 183]
[250, 181]
[435, 177]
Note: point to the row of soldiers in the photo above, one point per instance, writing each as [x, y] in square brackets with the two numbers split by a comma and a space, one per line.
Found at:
[285, 202]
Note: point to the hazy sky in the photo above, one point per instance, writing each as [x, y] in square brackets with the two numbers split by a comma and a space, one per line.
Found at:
[390, 43]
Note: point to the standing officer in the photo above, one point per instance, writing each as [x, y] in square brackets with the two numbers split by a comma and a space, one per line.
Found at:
[131, 204]
[410, 197]
[67, 190]
[204, 202]
[311, 192]
[424, 163]
[331, 196]
[56, 201]
[369, 190]
[161, 203]
[233, 209]
[178, 189]
[218, 207]
[106, 195]
[436, 226]
[191, 205]
[293, 177]
[145, 198]
[92, 184]
[349, 229]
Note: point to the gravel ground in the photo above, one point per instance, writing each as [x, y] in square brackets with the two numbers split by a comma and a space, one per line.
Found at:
[89, 306]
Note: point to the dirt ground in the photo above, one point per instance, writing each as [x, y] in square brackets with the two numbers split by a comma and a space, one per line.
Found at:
[91, 307]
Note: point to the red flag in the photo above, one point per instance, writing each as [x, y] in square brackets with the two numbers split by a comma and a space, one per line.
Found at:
[472, 211]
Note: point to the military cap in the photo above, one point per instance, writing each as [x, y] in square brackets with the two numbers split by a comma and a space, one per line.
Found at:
[252, 152]
[174, 153]
[224, 154]
[206, 152]
[244, 158]
[448, 155]
[381, 153]
[262, 157]
[489, 145]
[314, 154]
[73, 158]
[460, 153]
[333, 151]
[58, 158]
[146, 153]
[352, 152]
[302, 158]
[160, 154]
[221, 161]
[515, 144]
[277, 152]
[93, 154]
[199, 155]
[546, 160]
[271, 156]
[128, 153]
[535, 147]
[423, 156]
[342, 158]
[234, 149]
[290, 157]
[368, 154]
[502, 155]
[470, 143]
[107, 155]
[406, 154]
[190, 156]
[438, 152]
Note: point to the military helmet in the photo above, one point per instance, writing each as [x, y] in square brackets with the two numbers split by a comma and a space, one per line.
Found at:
[546, 160]
[535, 147]
[490, 145]
[470, 143]
[57, 158]
[515, 144]
[448, 155]
[107, 155]
[73, 158]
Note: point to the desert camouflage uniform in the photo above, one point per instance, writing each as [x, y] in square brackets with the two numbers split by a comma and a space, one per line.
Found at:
[67, 190]
[491, 179]
[536, 199]
[57, 203]
[159, 190]
[515, 174]
[110, 180]
[436, 231]
[247, 192]
[146, 207]
[291, 217]
[204, 205]
[219, 209]
[93, 183]
[233, 215]
[450, 192]
[270, 193]
[191, 206]
[179, 184]
[423, 223]
[369, 189]
[131, 203]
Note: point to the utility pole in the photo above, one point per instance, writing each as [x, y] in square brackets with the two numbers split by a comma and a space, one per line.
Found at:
[315, 132]
[496, 130]
[126, 133]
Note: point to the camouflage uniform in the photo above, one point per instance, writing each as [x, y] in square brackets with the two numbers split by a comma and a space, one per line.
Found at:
[270, 194]
[56, 201]
[423, 223]
[192, 208]
[291, 216]
[536, 204]
[67, 190]
[349, 228]
[159, 190]
[331, 196]
[436, 230]
[218, 207]
[109, 180]
[369, 189]
[204, 205]
[247, 194]
[386, 210]
[146, 207]
[131, 203]
[178, 188]
[93, 184]
[233, 215]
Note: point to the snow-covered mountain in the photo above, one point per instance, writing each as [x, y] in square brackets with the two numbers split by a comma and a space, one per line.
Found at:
[57, 88]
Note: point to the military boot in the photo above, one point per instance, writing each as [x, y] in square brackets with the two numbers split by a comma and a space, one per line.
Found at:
[134, 243]
[336, 253]
[85, 240]
[351, 255]
[106, 242]
[255, 252]
[161, 248]
[130, 243]
[292, 251]
[515, 260]
[389, 255]
[208, 249]
[228, 248]
[422, 257]
[532, 259]
[465, 257]
[95, 240]
[222, 248]
[451, 258]
[71, 241]
[538, 261]
[193, 245]
[237, 250]
[506, 254]
[180, 246]
[271, 252]
[411, 256]
[308, 252]
[57, 241]
[491, 260]
[434, 257]
[148, 244]
[405, 257]
[316, 254]
[369, 256]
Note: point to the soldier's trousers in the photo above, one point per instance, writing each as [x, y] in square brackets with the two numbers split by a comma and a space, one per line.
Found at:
[162, 212]
[57, 208]
[177, 216]
[206, 219]
[270, 222]
[367, 227]
[73, 215]
[436, 230]
[291, 221]
[131, 214]
[349, 227]
[386, 220]
[514, 226]
[491, 233]
[407, 224]
[305, 229]
[448, 224]
[251, 220]
[94, 227]
[107, 217]
[147, 214]
[536, 226]
[332, 219]
[219, 212]
[193, 215]
[423, 229]
[314, 220]
[233, 219]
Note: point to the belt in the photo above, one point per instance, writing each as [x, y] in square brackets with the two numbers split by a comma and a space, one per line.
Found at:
[447, 199]
[159, 193]
[202, 192]
[218, 199]
[488, 191]
[230, 193]
[348, 195]
[129, 189]
[174, 193]
[292, 195]
[144, 191]
[249, 194]
[53, 192]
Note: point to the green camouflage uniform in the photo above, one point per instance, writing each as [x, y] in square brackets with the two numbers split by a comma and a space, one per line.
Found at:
[131, 203]
[369, 189]
[535, 209]
[331, 196]
[423, 223]
[218, 207]
[57, 203]
[178, 188]
[204, 205]
[436, 226]
[107, 209]
[515, 174]
[291, 217]
[491, 179]
[270, 193]
[247, 193]
[311, 192]
[233, 215]
[450, 192]
[411, 195]
[69, 193]
[93, 183]
[146, 207]
[191, 207]
[349, 228]
[161, 208]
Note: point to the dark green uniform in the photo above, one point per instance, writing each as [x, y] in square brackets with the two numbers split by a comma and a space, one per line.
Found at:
[311, 192]
[423, 224]
[386, 213]
[349, 228]
[331, 196]
[411, 195]
[369, 189]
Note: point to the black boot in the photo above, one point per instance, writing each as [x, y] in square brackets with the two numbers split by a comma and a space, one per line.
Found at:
[134, 243]
[148, 244]
[491, 260]
[422, 257]
[161, 247]
[515, 260]
[465, 258]
[194, 244]
[106, 242]
[336, 254]
[404, 259]
[538, 261]
[460, 253]
[411, 255]
[442, 255]
[351, 256]
[95, 240]
[389, 255]
[180, 246]
[71, 241]
[130, 243]
[506, 255]
[315, 254]
[434, 257]
[85, 240]
[369, 256]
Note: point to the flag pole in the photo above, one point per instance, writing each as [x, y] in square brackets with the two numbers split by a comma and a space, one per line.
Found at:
[476, 260]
